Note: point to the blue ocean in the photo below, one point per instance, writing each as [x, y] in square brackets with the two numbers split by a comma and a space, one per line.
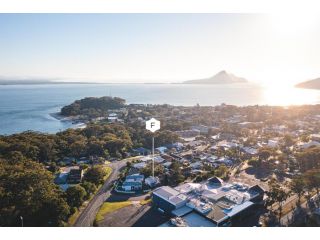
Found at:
[30, 107]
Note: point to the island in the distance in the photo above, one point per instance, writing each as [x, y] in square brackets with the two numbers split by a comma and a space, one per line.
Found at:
[311, 84]
[221, 77]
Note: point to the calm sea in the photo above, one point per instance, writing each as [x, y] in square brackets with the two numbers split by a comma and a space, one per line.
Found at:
[28, 107]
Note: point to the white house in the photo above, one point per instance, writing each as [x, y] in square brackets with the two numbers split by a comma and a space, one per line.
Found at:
[202, 128]
[112, 117]
[273, 143]
[152, 181]
[250, 150]
[158, 159]
[139, 165]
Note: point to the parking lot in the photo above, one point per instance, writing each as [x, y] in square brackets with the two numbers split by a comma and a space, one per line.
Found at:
[138, 214]
[135, 215]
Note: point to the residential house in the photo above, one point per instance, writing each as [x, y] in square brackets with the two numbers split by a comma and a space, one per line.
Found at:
[75, 176]
[202, 128]
[213, 203]
[161, 150]
[141, 151]
[113, 117]
[273, 143]
[188, 133]
[133, 182]
[139, 165]
[196, 165]
[152, 181]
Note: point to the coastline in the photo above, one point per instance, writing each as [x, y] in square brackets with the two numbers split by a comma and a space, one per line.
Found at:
[77, 124]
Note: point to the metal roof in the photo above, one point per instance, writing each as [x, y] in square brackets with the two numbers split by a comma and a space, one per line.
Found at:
[239, 208]
[166, 192]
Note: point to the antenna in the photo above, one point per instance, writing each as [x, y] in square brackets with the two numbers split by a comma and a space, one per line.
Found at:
[152, 125]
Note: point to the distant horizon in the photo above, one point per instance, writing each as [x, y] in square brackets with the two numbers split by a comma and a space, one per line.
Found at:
[30, 80]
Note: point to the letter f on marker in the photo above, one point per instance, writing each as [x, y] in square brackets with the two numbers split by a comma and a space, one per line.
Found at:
[152, 124]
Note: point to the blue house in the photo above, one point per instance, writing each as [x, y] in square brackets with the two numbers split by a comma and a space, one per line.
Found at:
[161, 150]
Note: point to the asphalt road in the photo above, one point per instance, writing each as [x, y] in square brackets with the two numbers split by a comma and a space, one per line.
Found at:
[88, 215]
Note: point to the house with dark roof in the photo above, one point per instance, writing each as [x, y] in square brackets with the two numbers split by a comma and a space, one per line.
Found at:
[215, 181]
[141, 151]
[75, 176]
[257, 193]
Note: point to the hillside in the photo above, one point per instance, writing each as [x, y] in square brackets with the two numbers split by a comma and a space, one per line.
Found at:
[92, 106]
[311, 84]
[220, 78]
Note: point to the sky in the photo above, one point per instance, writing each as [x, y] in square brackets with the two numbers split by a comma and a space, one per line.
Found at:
[268, 49]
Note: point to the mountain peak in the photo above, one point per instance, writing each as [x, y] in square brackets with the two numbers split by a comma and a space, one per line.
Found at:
[222, 72]
[311, 84]
[221, 77]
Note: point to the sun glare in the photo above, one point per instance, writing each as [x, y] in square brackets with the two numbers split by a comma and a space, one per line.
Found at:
[286, 96]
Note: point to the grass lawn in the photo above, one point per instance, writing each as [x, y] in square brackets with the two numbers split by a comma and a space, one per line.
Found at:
[72, 219]
[109, 207]
[108, 172]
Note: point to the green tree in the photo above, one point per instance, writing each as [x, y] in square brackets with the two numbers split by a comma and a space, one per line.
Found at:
[253, 162]
[288, 140]
[95, 175]
[175, 177]
[27, 190]
[312, 178]
[276, 194]
[297, 186]
[75, 196]
[264, 154]
[221, 171]
[309, 159]
[89, 187]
